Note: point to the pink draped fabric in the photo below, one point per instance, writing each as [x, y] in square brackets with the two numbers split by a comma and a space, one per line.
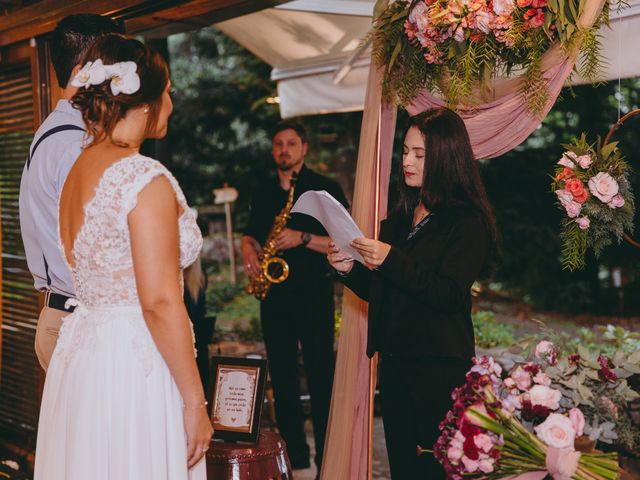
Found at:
[347, 441]
[495, 128]
[504, 122]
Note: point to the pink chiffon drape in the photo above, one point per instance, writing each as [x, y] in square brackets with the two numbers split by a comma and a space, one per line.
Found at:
[495, 128]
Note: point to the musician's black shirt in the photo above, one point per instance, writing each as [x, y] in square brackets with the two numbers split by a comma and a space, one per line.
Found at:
[305, 265]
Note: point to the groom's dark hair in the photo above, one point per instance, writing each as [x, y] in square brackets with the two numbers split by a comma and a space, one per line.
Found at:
[72, 38]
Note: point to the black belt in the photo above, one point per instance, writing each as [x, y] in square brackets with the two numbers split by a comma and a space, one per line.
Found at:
[57, 301]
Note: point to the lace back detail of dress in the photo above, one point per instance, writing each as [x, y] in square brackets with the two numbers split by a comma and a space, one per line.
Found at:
[103, 265]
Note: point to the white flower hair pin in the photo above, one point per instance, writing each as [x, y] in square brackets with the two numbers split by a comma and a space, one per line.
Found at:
[123, 76]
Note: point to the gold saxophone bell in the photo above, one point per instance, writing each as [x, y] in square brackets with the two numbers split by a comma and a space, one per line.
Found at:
[281, 268]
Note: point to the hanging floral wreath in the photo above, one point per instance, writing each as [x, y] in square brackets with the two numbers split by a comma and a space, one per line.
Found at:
[455, 46]
[592, 186]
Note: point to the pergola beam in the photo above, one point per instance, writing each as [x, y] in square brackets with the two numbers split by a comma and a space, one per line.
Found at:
[42, 17]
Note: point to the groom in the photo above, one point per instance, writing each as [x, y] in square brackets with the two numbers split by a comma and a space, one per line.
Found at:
[55, 148]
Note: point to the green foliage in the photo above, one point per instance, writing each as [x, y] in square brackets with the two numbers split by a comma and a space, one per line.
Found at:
[489, 333]
[220, 294]
[251, 334]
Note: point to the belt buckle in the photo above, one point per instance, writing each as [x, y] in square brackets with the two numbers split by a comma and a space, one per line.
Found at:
[47, 296]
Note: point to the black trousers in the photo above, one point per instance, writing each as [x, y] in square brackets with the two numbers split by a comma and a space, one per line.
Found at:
[305, 317]
[416, 395]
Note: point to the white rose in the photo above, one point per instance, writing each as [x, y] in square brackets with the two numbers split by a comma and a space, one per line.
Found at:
[545, 397]
[556, 431]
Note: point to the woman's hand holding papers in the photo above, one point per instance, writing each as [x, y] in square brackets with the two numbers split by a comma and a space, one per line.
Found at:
[374, 252]
[342, 262]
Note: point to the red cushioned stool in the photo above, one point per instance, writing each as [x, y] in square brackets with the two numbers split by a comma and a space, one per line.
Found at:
[266, 460]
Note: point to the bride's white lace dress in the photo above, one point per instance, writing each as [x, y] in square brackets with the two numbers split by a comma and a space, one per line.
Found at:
[111, 409]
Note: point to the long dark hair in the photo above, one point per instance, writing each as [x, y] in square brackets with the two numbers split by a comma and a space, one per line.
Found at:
[451, 177]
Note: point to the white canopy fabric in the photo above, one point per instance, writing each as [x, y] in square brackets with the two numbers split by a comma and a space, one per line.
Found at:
[319, 66]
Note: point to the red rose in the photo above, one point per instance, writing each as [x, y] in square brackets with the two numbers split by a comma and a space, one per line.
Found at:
[582, 197]
[470, 449]
[538, 20]
[539, 3]
[566, 173]
[575, 188]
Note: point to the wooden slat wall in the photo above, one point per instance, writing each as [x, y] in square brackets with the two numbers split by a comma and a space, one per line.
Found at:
[20, 373]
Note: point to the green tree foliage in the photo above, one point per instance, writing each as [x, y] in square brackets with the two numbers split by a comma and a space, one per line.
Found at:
[221, 127]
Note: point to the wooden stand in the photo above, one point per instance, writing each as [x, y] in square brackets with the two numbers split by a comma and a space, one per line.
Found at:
[266, 460]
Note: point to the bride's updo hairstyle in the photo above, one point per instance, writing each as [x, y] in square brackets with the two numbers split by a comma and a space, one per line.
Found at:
[101, 109]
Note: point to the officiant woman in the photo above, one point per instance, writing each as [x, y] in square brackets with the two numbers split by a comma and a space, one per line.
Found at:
[435, 243]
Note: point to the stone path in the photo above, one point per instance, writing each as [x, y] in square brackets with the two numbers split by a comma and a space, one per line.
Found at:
[380, 461]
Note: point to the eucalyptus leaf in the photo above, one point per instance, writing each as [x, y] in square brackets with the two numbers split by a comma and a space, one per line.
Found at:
[634, 358]
[630, 367]
[618, 358]
[621, 373]
[585, 393]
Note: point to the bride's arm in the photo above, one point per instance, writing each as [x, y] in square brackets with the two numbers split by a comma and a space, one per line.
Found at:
[153, 226]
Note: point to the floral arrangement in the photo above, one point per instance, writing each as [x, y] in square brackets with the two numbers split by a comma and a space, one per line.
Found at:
[531, 418]
[454, 46]
[592, 187]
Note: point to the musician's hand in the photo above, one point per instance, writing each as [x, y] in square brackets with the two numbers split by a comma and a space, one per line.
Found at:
[338, 260]
[373, 252]
[250, 260]
[288, 239]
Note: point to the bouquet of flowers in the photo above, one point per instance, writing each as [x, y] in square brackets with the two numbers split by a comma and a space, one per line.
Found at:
[591, 183]
[453, 46]
[529, 419]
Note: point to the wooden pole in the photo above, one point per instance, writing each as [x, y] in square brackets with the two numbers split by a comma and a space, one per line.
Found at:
[232, 250]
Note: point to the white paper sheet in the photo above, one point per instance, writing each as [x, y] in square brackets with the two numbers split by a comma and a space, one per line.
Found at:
[334, 218]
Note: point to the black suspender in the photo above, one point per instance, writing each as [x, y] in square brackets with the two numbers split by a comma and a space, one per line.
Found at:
[48, 133]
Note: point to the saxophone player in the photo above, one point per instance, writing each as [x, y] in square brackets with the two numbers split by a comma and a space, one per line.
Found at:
[299, 312]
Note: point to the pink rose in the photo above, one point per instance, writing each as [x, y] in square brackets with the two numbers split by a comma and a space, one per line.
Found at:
[470, 465]
[483, 442]
[454, 454]
[584, 161]
[503, 7]
[562, 463]
[556, 431]
[573, 209]
[566, 162]
[577, 419]
[603, 186]
[617, 201]
[545, 397]
[544, 347]
[541, 378]
[509, 383]
[564, 197]
[486, 465]
[512, 403]
[522, 378]
[420, 16]
[583, 222]
[483, 20]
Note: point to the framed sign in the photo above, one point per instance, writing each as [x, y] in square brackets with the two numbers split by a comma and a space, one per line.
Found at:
[237, 394]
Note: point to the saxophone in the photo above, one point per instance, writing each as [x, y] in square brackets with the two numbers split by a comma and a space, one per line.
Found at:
[273, 269]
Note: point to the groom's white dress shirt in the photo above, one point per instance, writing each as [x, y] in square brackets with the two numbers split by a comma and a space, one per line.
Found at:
[40, 188]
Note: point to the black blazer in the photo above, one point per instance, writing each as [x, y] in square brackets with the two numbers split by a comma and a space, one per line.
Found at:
[420, 297]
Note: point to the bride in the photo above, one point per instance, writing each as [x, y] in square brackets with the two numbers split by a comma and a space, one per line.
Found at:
[122, 398]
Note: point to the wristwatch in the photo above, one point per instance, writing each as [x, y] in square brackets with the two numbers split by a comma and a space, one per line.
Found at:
[305, 237]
